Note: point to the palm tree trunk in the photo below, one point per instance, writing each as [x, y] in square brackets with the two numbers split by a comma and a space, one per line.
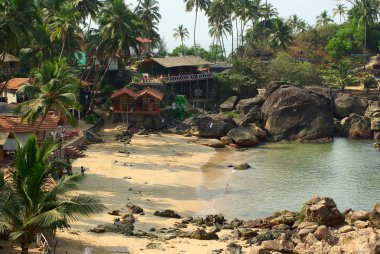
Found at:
[242, 32]
[224, 49]
[213, 49]
[24, 246]
[237, 33]
[195, 29]
[97, 86]
[5, 48]
[183, 48]
[365, 44]
[63, 45]
[232, 36]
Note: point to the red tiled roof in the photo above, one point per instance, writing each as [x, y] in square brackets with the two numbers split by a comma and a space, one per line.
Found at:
[15, 83]
[143, 40]
[15, 124]
[152, 92]
[125, 90]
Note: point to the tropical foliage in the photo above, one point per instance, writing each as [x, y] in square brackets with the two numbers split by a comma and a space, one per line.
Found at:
[33, 202]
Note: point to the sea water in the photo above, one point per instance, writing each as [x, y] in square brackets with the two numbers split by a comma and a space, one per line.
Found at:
[285, 175]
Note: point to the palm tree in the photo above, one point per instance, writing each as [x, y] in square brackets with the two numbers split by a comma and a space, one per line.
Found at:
[87, 8]
[295, 23]
[198, 5]
[54, 88]
[324, 19]
[280, 35]
[340, 9]
[366, 11]
[243, 11]
[118, 29]
[18, 20]
[181, 32]
[32, 202]
[63, 23]
[220, 29]
[149, 13]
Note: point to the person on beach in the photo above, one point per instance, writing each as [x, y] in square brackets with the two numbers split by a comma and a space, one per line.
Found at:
[82, 170]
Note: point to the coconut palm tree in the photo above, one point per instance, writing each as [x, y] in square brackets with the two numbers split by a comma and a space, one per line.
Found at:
[54, 88]
[280, 35]
[197, 5]
[87, 8]
[340, 10]
[296, 23]
[63, 24]
[32, 202]
[182, 33]
[18, 21]
[149, 13]
[324, 19]
[118, 29]
[243, 10]
[219, 30]
[367, 12]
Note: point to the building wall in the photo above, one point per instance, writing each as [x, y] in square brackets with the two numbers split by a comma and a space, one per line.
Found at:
[11, 95]
[11, 144]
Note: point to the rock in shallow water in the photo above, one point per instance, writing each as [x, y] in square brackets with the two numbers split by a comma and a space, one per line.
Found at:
[243, 166]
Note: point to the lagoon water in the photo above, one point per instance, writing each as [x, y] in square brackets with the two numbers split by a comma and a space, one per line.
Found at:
[285, 175]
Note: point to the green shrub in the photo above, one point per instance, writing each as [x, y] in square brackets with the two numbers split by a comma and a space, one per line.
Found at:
[91, 119]
[231, 114]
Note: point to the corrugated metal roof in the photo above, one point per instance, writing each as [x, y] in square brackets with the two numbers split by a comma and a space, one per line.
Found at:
[169, 62]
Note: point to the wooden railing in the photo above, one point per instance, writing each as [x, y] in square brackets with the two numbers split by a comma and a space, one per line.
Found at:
[175, 79]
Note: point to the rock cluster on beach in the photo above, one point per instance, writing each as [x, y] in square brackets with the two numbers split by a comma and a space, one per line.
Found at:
[289, 112]
[318, 228]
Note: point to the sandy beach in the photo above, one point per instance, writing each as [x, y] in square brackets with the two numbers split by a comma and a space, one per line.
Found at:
[156, 172]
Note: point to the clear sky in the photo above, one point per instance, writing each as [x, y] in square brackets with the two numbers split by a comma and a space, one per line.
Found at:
[173, 14]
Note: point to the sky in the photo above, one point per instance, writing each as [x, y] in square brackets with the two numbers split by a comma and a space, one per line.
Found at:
[173, 14]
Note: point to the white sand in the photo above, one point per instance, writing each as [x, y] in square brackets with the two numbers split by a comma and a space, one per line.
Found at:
[166, 174]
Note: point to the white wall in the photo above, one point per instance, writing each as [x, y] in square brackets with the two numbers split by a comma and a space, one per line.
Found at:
[11, 95]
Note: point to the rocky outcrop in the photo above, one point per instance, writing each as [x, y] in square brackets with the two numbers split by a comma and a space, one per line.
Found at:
[244, 106]
[214, 143]
[211, 126]
[356, 126]
[253, 116]
[294, 113]
[229, 104]
[346, 104]
[322, 211]
[243, 136]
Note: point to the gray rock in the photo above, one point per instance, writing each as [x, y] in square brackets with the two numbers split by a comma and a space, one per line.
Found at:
[167, 214]
[244, 106]
[243, 136]
[356, 126]
[214, 143]
[201, 234]
[229, 104]
[243, 166]
[233, 248]
[297, 114]
[323, 211]
[135, 209]
[211, 126]
[254, 115]
[346, 104]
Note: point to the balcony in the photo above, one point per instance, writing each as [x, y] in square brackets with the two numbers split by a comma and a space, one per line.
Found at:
[150, 80]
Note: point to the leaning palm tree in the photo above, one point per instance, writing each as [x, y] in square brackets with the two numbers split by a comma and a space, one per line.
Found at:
[324, 19]
[149, 13]
[33, 202]
[280, 35]
[340, 10]
[198, 5]
[53, 88]
[182, 33]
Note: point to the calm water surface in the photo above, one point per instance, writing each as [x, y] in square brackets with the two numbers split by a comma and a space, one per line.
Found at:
[285, 176]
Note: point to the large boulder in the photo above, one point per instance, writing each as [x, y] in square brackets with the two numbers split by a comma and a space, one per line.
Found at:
[243, 136]
[244, 106]
[374, 216]
[229, 104]
[356, 126]
[253, 116]
[211, 126]
[294, 113]
[345, 104]
[322, 211]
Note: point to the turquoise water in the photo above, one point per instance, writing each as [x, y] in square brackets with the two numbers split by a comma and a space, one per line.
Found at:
[285, 176]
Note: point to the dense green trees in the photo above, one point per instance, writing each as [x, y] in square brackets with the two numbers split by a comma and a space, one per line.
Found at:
[32, 202]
